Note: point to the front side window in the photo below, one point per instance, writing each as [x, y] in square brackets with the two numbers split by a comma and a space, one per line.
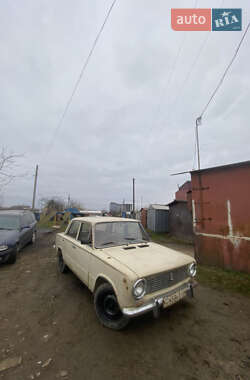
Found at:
[9, 222]
[119, 233]
[85, 233]
[73, 229]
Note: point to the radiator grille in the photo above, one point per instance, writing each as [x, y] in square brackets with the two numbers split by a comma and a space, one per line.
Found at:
[166, 279]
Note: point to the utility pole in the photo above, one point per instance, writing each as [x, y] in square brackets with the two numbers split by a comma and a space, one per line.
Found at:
[197, 123]
[34, 190]
[133, 198]
[68, 200]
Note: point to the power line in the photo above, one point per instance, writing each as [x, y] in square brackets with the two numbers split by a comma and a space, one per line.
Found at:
[199, 119]
[225, 72]
[170, 76]
[81, 74]
[193, 65]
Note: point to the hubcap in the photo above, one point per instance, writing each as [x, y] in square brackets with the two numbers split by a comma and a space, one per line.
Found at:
[111, 306]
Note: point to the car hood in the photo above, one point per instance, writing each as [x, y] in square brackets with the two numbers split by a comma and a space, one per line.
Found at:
[148, 260]
[8, 237]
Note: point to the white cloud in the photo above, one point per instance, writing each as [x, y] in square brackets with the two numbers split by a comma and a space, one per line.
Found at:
[124, 122]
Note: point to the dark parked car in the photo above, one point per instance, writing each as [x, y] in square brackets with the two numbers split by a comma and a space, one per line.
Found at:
[17, 228]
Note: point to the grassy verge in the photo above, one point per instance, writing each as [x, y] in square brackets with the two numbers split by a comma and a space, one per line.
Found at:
[222, 279]
[45, 222]
[164, 238]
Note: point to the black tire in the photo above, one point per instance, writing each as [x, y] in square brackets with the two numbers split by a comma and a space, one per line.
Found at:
[107, 308]
[12, 258]
[33, 239]
[61, 264]
[18, 248]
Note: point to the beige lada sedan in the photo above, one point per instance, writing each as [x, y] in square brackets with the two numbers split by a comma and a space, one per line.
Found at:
[128, 274]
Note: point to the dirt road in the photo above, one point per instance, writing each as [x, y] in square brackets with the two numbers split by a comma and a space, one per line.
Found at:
[47, 321]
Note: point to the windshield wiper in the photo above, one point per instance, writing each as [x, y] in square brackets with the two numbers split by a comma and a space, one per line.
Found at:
[108, 242]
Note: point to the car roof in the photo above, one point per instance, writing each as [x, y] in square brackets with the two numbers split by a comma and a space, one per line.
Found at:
[103, 219]
[13, 212]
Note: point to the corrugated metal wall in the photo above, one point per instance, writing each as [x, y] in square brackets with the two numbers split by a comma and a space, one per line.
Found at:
[157, 220]
[221, 217]
[180, 221]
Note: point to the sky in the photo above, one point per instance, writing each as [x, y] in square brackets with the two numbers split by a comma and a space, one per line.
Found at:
[134, 112]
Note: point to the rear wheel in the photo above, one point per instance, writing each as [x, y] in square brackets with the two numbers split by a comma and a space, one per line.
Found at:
[18, 247]
[61, 264]
[107, 308]
[33, 239]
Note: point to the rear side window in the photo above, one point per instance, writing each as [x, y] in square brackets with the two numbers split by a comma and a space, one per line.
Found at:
[29, 218]
[73, 229]
[32, 217]
[25, 221]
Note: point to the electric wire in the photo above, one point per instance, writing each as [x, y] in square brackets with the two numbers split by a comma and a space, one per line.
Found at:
[225, 72]
[171, 75]
[84, 67]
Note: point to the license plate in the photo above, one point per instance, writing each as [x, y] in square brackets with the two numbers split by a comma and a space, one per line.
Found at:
[170, 300]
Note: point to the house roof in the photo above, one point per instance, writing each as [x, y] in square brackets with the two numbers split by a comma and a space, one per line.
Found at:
[221, 167]
[159, 207]
[176, 201]
[185, 184]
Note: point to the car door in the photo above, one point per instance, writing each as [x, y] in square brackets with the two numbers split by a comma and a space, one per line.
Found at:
[24, 231]
[69, 244]
[82, 251]
[30, 226]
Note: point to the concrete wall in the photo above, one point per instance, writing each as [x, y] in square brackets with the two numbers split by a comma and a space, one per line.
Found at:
[221, 217]
[180, 221]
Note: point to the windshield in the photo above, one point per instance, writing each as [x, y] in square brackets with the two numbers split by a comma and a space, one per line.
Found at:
[119, 233]
[9, 222]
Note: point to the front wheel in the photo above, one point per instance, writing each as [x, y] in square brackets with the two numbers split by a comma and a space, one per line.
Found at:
[107, 308]
[12, 258]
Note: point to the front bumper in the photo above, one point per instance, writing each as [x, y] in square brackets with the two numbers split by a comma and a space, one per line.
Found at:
[5, 255]
[156, 303]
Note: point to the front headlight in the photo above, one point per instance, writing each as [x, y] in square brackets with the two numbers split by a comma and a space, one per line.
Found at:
[192, 269]
[139, 288]
[3, 247]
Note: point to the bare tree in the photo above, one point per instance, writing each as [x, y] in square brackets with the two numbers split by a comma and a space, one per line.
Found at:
[7, 163]
[76, 204]
[52, 204]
